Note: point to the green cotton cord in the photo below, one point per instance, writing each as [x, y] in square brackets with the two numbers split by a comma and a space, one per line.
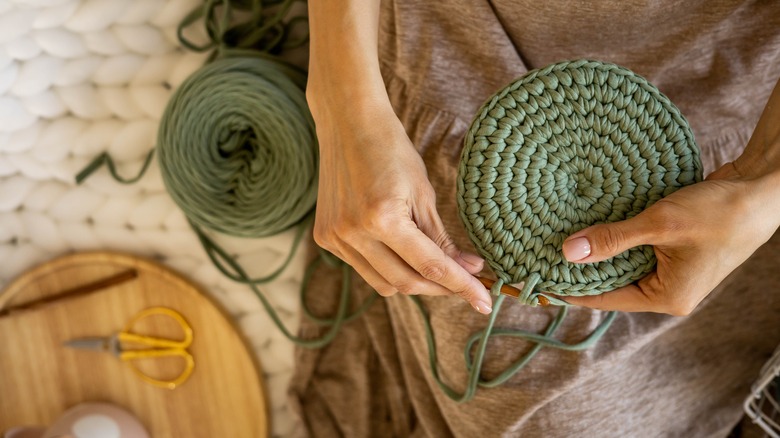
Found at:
[473, 375]
[481, 338]
[540, 341]
[240, 275]
[217, 254]
[329, 320]
[263, 30]
[105, 159]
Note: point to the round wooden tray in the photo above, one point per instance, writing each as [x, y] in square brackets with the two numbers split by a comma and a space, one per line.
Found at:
[40, 379]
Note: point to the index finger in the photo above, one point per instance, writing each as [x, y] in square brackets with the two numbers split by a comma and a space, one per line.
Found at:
[427, 258]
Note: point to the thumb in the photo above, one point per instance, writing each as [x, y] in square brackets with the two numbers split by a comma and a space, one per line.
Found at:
[600, 242]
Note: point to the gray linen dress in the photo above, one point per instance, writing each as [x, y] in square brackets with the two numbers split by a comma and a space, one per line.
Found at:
[651, 375]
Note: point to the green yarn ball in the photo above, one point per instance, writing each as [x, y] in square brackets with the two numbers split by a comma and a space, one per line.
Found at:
[559, 149]
[237, 147]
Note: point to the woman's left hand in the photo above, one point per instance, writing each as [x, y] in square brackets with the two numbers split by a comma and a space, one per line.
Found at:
[700, 233]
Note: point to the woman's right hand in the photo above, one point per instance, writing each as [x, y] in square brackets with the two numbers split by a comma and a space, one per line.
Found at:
[376, 208]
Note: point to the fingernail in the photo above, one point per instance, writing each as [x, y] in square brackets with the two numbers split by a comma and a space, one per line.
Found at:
[483, 307]
[576, 249]
[472, 259]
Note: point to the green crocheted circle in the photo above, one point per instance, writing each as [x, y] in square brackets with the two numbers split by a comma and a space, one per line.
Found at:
[562, 148]
[237, 147]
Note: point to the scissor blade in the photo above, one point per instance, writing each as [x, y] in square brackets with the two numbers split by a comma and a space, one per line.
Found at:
[96, 344]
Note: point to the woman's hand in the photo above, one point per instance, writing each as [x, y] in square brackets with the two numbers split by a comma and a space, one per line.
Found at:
[700, 233]
[376, 210]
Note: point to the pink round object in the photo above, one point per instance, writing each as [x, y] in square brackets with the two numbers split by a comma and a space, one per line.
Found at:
[96, 420]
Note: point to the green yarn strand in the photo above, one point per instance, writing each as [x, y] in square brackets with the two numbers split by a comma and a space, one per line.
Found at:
[257, 26]
[217, 254]
[481, 338]
[326, 321]
[231, 268]
[104, 158]
[539, 340]
[473, 375]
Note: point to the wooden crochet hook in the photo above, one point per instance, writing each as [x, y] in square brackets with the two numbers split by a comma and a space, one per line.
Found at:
[510, 290]
[78, 291]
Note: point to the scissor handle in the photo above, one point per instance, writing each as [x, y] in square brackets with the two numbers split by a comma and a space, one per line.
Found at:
[189, 365]
[152, 353]
[158, 347]
[151, 341]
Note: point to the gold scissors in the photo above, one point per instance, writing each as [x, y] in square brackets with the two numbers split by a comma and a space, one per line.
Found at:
[158, 347]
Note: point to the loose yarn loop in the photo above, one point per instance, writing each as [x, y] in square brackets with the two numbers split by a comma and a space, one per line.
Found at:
[264, 29]
[477, 343]
[237, 148]
[562, 148]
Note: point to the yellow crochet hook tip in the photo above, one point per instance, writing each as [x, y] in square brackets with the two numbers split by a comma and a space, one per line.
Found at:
[511, 291]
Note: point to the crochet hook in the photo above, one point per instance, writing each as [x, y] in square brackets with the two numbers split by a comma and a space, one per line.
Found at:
[510, 290]
[77, 291]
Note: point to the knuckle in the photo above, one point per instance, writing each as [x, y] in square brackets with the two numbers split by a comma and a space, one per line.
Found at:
[319, 238]
[381, 216]
[443, 240]
[407, 287]
[463, 293]
[378, 224]
[345, 231]
[385, 290]
[611, 240]
[463, 290]
[310, 96]
[667, 220]
[433, 270]
[322, 237]
[327, 232]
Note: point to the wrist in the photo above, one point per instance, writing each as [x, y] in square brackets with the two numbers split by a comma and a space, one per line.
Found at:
[766, 192]
[345, 80]
[761, 157]
[759, 161]
[335, 100]
[329, 93]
